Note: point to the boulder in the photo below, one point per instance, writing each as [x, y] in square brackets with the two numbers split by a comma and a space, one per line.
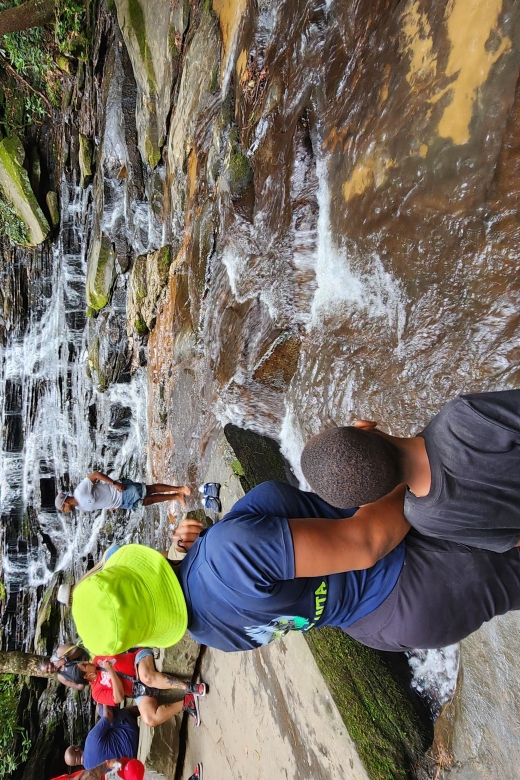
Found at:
[85, 161]
[101, 272]
[51, 199]
[18, 191]
[147, 281]
[150, 34]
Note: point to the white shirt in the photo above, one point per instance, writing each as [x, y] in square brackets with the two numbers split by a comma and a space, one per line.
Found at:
[97, 495]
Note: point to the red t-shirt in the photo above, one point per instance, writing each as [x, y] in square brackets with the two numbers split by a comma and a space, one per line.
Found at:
[102, 690]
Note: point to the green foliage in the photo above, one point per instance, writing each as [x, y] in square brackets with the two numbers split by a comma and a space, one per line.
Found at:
[3, 592]
[12, 226]
[69, 26]
[30, 79]
[14, 742]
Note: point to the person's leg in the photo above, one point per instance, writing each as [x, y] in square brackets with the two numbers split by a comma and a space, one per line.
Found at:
[157, 498]
[153, 713]
[159, 487]
[151, 677]
[164, 681]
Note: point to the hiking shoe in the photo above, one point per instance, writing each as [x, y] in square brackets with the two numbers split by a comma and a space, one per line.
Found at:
[213, 504]
[211, 489]
[197, 689]
[191, 707]
[197, 774]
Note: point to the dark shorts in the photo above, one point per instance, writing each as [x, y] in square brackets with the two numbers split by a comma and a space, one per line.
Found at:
[444, 593]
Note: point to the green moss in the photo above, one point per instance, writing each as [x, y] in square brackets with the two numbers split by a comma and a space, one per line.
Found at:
[172, 41]
[137, 21]
[153, 154]
[91, 312]
[379, 716]
[163, 263]
[139, 279]
[18, 192]
[239, 167]
[214, 79]
[140, 326]
[99, 295]
[238, 469]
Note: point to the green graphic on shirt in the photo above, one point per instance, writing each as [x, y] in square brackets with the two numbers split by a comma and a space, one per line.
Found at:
[278, 627]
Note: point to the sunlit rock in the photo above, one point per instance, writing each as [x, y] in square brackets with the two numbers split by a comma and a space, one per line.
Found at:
[152, 39]
[18, 191]
[195, 100]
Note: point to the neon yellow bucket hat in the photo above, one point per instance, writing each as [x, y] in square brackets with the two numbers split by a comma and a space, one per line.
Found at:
[134, 600]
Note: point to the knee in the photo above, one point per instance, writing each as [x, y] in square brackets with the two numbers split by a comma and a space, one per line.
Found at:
[149, 719]
[148, 677]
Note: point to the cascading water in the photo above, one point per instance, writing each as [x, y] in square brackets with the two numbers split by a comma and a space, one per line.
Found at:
[56, 426]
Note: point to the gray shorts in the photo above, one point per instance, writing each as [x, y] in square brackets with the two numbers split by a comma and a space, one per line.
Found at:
[444, 592]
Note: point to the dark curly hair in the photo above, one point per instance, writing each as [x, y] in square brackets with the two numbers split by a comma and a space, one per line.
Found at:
[349, 466]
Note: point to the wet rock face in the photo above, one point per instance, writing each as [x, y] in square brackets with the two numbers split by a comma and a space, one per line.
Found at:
[152, 32]
[108, 351]
[147, 281]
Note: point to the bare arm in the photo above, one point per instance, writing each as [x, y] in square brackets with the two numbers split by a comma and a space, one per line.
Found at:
[330, 546]
[98, 771]
[69, 683]
[98, 476]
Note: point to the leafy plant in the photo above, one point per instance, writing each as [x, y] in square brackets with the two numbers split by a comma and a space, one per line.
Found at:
[69, 25]
[11, 225]
[30, 79]
[14, 741]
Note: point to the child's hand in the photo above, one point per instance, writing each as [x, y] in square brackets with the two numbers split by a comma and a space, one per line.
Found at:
[186, 533]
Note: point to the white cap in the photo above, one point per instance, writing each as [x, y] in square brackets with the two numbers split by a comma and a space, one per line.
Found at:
[64, 594]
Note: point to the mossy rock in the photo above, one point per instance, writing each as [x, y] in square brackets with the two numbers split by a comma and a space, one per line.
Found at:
[85, 161]
[51, 199]
[390, 737]
[18, 191]
[259, 457]
[101, 273]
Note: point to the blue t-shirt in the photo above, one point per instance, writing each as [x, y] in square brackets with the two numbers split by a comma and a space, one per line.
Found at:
[119, 739]
[238, 577]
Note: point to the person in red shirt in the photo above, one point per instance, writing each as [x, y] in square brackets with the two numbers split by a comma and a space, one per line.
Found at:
[133, 674]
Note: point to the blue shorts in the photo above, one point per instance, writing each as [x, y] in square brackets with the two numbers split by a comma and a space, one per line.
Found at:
[133, 494]
[139, 657]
